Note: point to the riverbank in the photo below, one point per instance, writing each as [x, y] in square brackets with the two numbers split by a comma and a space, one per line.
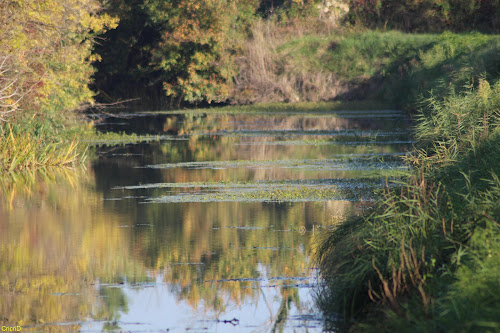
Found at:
[385, 70]
[45, 69]
[396, 68]
[427, 257]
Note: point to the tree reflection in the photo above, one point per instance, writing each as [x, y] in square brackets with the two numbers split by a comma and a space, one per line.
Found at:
[70, 240]
[60, 238]
[56, 241]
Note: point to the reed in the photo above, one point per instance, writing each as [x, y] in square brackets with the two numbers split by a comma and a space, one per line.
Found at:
[430, 246]
[31, 144]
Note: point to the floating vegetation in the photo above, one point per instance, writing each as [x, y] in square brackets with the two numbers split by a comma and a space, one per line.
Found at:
[243, 228]
[366, 162]
[263, 279]
[284, 194]
[354, 107]
[318, 142]
[288, 190]
[344, 134]
[111, 138]
[339, 182]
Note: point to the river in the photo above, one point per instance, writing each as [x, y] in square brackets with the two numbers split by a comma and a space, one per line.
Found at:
[210, 228]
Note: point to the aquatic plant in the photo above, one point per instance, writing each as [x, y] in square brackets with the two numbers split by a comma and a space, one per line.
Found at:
[31, 144]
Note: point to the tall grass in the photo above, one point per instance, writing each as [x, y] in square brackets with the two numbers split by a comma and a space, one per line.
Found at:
[269, 74]
[30, 143]
[460, 121]
[430, 249]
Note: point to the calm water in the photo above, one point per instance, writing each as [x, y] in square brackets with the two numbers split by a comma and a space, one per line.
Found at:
[210, 229]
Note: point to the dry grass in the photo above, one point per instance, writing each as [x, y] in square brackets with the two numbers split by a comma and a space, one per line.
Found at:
[267, 75]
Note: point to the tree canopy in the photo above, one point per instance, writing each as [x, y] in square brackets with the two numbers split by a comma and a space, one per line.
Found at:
[177, 51]
[46, 52]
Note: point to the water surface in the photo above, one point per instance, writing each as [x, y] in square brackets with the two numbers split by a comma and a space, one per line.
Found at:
[209, 229]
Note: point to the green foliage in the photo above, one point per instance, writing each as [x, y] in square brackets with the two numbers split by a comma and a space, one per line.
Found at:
[175, 52]
[401, 68]
[430, 249]
[171, 52]
[44, 71]
[392, 67]
[36, 142]
[194, 48]
[46, 47]
[426, 15]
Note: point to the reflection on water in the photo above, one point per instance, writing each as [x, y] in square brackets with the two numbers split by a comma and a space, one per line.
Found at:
[212, 232]
[55, 241]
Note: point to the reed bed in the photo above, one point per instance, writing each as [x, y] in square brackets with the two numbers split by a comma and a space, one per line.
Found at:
[431, 246]
[31, 144]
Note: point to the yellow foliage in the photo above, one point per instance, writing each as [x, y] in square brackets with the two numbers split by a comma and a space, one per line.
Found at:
[46, 53]
[199, 43]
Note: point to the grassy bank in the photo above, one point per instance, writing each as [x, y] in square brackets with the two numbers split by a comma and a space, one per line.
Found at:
[427, 258]
[392, 67]
[45, 69]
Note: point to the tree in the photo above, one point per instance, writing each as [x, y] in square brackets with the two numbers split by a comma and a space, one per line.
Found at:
[46, 53]
[194, 51]
[171, 52]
